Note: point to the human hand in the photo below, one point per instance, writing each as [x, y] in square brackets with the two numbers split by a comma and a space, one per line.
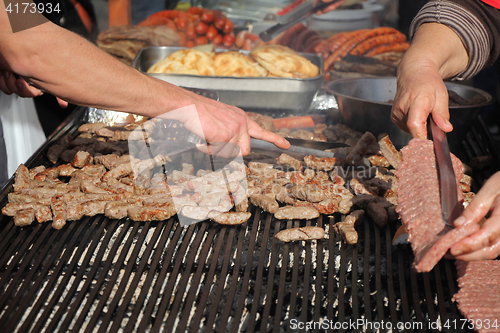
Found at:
[13, 84]
[222, 126]
[333, 6]
[420, 92]
[485, 243]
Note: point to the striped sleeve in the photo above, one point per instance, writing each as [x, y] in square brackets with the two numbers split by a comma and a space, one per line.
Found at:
[468, 27]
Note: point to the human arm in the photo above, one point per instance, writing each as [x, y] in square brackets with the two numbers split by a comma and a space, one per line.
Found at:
[436, 52]
[484, 244]
[477, 27]
[58, 61]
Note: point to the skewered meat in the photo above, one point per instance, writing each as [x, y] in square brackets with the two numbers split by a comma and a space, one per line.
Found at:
[300, 234]
[296, 213]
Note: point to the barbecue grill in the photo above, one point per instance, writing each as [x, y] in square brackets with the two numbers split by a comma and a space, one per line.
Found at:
[104, 275]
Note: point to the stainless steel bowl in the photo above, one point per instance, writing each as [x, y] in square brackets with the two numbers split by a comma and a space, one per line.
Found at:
[365, 104]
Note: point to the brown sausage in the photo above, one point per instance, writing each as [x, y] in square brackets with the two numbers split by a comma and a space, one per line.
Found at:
[373, 42]
[292, 31]
[240, 38]
[301, 39]
[394, 47]
[312, 45]
[366, 35]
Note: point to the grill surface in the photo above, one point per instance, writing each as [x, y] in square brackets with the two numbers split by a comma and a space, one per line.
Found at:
[102, 275]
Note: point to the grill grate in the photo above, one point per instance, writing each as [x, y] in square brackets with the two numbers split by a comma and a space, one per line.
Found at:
[101, 275]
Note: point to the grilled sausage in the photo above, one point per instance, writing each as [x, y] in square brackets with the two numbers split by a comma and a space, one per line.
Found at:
[376, 41]
[229, 218]
[352, 43]
[394, 47]
[296, 213]
[291, 32]
[355, 157]
[377, 213]
[347, 232]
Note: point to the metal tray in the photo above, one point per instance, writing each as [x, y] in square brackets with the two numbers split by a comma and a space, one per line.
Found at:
[244, 92]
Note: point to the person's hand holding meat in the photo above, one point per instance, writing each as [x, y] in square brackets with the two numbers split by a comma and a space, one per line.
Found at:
[436, 53]
[484, 244]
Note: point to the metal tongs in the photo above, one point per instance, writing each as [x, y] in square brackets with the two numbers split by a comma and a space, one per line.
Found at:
[451, 208]
[297, 15]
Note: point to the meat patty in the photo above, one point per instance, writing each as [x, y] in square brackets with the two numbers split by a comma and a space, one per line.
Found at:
[299, 234]
[419, 205]
[479, 295]
[322, 163]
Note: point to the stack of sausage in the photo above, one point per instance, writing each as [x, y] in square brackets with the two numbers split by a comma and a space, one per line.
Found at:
[365, 42]
[197, 26]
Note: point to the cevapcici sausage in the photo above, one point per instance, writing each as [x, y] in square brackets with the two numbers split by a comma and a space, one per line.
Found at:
[373, 42]
[292, 31]
[394, 47]
[364, 36]
[359, 150]
[298, 234]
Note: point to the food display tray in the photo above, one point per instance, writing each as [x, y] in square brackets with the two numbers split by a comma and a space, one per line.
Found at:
[268, 93]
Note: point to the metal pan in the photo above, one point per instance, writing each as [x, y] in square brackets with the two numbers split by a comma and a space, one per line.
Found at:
[295, 94]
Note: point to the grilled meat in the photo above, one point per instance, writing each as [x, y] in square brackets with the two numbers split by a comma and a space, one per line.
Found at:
[299, 234]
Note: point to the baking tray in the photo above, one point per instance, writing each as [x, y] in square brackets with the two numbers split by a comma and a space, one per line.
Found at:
[268, 93]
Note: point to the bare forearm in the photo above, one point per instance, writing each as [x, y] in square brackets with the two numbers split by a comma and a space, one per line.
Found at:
[438, 46]
[69, 67]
